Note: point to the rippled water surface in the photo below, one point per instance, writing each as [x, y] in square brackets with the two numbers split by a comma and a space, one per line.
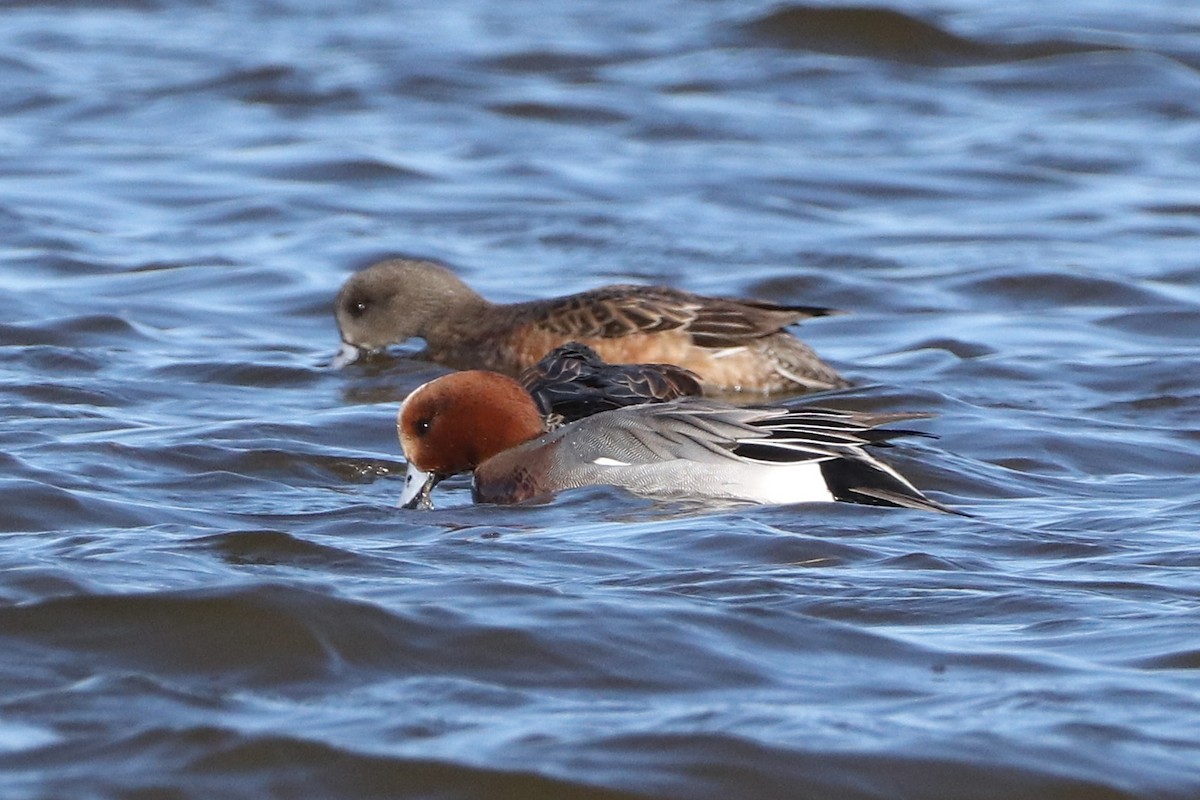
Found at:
[206, 589]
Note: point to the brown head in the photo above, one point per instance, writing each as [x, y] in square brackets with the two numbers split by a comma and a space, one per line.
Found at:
[396, 300]
[456, 422]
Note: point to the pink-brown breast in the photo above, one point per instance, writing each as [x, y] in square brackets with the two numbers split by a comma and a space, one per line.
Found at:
[522, 473]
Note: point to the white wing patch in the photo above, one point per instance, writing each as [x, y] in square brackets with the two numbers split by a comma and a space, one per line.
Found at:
[604, 461]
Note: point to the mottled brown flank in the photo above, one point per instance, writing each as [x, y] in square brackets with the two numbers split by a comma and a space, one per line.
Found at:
[767, 364]
[614, 311]
[528, 343]
[622, 310]
[754, 366]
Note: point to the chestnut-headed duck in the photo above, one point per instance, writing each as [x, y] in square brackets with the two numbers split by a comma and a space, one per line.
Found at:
[488, 424]
[572, 382]
[733, 345]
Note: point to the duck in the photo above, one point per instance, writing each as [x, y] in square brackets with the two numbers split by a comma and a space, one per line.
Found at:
[732, 345]
[487, 424]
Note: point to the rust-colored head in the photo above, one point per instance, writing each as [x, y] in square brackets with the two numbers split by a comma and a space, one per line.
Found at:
[456, 422]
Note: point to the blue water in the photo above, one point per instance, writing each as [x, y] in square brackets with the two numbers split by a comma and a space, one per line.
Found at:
[206, 588]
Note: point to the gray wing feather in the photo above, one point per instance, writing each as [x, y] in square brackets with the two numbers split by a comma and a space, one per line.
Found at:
[695, 429]
[684, 429]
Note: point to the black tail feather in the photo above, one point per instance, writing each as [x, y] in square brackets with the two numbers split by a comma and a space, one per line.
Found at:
[859, 481]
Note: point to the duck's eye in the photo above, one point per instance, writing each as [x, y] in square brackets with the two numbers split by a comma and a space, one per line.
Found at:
[422, 426]
[356, 307]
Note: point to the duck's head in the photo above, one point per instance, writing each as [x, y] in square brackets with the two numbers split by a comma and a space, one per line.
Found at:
[456, 422]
